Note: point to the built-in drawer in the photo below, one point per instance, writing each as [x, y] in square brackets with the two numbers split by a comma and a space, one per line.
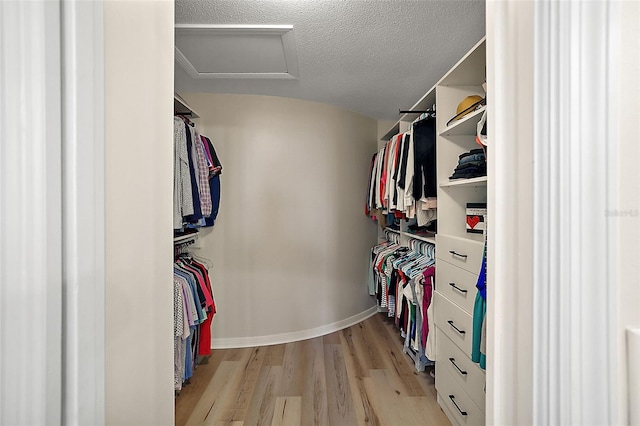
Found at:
[467, 373]
[456, 403]
[461, 252]
[456, 284]
[454, 322]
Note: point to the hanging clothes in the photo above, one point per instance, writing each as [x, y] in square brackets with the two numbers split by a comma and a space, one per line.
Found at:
[402, 176]
[194, 309]
[403, 282]
[197, 170]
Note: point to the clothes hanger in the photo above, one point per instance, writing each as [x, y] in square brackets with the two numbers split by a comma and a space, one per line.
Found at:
[207, 262]
[186, 120]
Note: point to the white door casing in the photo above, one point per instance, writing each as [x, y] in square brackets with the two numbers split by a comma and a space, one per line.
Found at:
[51, 213]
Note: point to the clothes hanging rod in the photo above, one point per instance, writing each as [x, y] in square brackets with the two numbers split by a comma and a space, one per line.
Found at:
[402, 111]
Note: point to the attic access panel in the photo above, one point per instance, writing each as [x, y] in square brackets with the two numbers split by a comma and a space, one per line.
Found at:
[237, 51]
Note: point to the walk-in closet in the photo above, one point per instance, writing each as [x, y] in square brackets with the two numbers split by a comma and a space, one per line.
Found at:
[293, 212]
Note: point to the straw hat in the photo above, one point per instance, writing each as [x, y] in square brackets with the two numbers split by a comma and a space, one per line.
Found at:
[468, 105]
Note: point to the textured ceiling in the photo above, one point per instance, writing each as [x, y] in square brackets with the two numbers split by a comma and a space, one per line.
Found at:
[369, 56]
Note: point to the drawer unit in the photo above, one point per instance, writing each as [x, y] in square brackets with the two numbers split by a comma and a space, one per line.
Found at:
[458, 405]
[454, 322]
[456, 284]
[464, 371]
[466, 254]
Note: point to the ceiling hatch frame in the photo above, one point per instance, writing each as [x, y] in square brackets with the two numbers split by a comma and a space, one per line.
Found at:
[284, 31]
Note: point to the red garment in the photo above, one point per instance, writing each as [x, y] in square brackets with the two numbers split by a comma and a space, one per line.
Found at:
[205, 335]
[204, 346]
[429, 276]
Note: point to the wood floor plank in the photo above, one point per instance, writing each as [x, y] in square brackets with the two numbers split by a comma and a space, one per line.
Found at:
[396, 359]
[332, 338]
[296, 367]
[236, 354]
[357, 376]
[229, 400]
[346, 338]
[366, 355]
[341, 409]
[314, 391]
[381, 399]
[371, 343]
[212, 396]
[190, 394]
[275, 355]
[248, 381]
[261, 406]
[363, 409]
[287, 411]
[424, 410]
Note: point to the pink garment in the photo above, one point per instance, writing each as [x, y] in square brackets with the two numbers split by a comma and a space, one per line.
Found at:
[429, 276]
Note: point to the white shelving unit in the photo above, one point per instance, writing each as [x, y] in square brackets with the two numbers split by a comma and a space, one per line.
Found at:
[460, 383]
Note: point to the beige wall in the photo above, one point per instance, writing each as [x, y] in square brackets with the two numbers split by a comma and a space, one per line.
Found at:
[139, 249]
[291, 242]
[625, 224]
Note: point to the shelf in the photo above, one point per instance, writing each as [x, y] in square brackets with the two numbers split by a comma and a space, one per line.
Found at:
[466, 125]
[392, 230]
[181, 107]
[479, 181]
[466, 70]
[431, 240]
[184, 238]
[392, 132]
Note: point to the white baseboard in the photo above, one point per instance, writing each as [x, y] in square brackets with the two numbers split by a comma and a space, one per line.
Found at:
[276, 339]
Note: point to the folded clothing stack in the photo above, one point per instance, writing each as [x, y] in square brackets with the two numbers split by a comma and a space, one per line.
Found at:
[429, 230]
[470, 164]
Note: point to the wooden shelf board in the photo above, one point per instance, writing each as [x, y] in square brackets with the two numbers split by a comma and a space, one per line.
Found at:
[466, 125]
[479, 181]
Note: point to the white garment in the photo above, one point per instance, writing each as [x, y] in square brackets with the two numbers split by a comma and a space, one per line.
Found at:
[380, 160]
[430, 347]
[400, 204]
[372, 184]
[391, 183]
[424, 216]
[408, 180]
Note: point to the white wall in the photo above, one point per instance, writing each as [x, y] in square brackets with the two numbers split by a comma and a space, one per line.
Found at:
[139, 248]
[291, 242]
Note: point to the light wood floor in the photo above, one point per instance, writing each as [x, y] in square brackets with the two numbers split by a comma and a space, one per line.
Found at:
[356, 376]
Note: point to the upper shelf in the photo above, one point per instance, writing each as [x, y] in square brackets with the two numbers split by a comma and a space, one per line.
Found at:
[181, 107]
[431, 240]
[479, 181]
[185, 238]
[466, 71]
[466, 125]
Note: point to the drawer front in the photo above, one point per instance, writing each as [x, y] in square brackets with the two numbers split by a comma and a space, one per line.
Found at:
[463, 253]
[456, 284]
[467, 373]
[456, 402]
[454, 322]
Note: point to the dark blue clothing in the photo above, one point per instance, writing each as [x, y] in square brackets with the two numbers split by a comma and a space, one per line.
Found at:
[424, 154]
